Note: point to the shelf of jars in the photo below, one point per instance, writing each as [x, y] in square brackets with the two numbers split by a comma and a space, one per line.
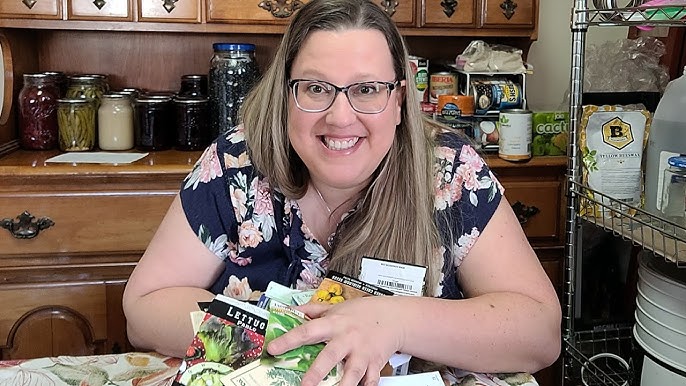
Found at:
[663, 237]
[633, 16]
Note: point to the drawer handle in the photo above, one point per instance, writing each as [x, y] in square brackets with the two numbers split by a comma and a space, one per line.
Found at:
[281, 8]
[29, 3]
[99, 3]
[26, 226]
[389, 6]
[449, 7]
[524, 212]
[508, 7]
[169, 5]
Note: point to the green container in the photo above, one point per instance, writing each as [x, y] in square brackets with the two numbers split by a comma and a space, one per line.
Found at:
[550, 133]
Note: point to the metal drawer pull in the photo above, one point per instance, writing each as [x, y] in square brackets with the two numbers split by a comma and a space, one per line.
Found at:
[524, 212]
[449, 7]
[99, 3]
[281, 8]
[508, 7]
[29, 3]
[25, 226]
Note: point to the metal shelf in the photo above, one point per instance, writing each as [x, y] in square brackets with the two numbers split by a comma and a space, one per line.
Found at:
[663, 237]
[634, 16]
[584, 345]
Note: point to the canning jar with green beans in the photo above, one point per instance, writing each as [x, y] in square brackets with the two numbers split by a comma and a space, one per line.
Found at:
[76, 124]
[86, 87]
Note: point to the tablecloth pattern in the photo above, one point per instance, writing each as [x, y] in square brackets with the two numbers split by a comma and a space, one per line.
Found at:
[151, 369]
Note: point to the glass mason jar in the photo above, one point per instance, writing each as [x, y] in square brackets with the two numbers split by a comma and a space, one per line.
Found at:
[233, 72]
[60, 80]
[76, 119]
[153, 123]
[86, 87]
[115, 122]
[673, 205]
[38, 113]
[192, 124]
[193, 86]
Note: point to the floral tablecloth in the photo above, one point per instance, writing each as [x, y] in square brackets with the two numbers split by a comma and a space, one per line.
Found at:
[151, 369]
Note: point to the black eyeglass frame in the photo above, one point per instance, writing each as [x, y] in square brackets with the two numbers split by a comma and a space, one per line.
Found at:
[390, 86]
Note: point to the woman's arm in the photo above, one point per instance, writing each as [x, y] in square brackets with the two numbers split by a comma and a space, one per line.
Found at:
[166, 285]
[509, 323]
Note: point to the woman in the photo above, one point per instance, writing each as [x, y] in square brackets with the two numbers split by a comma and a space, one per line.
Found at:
[334, 162]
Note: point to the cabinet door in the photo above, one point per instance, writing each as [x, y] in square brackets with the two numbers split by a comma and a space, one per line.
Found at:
[99, 10]
[178, 11]
[31, 9]
[509, 13]
[449, 13]
[401, 11]
[252, 11]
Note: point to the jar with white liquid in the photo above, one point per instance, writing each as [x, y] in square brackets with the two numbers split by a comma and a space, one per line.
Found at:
[115, 123]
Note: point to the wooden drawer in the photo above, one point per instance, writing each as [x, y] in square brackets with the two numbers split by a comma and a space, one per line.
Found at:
[31, 9]
[252, 11]
[446, 14]
[509, 13]
[99, 10]
[86, 222]
[538, 205]
[180, 11]
[53, 319]
[401, 11]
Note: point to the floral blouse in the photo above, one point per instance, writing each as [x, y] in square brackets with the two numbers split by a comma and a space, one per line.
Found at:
[260, 234]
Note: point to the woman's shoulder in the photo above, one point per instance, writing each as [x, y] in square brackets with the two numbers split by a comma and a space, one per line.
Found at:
[453, 139]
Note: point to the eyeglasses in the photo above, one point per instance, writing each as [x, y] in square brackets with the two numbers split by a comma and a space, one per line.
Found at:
[315, 96]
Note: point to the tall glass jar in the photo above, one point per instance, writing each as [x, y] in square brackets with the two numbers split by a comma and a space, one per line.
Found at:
[233, 72]
[192, 125]
[60, 80]
[86, 87]
[38, 113]
[76, 118]
[153, 123]
[115, 122]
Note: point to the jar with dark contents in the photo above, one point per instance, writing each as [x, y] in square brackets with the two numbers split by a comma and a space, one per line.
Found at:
[193, 86]
[60, 80]
[38, 113]
[153, 123]
[233, 72]
[192, 123]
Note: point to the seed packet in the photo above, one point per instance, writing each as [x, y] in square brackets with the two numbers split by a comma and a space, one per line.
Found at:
[612, 140]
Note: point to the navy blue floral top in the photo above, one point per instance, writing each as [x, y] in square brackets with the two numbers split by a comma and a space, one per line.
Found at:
[260, 235]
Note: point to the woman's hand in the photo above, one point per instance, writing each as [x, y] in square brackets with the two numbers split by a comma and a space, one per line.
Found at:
[364, 332]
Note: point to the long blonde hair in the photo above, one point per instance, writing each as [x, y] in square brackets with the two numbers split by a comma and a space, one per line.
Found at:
[395, 219]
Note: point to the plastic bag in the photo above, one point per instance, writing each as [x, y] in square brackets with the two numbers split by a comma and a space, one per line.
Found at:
[482, 57]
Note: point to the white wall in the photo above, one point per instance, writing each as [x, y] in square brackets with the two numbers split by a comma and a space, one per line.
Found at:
[551, 54]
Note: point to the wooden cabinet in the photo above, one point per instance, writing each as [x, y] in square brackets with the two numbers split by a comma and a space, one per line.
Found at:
[509, 13]
[115, 10]
[61, 288]
[403, 12]
[31, 9]
[449, 13]
[252, 11]
[184, 11]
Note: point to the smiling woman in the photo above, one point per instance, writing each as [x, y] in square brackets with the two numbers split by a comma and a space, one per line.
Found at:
[6, 79]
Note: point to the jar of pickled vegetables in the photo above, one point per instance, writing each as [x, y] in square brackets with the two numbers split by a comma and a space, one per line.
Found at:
[86, 87]
[38, 113]
[76, 119]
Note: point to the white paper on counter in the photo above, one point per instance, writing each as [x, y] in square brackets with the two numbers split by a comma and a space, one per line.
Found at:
[97, 158]
[422, 379]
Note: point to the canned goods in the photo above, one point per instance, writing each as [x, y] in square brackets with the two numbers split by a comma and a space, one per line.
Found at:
[496, 94]
[451, 107]
[515, 134]
[420, 69]
[442, 83]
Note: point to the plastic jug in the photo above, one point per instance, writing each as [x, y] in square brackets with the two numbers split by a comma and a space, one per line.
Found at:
[667, 138]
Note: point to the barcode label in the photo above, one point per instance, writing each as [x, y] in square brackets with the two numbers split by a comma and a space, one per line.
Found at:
[394, 284]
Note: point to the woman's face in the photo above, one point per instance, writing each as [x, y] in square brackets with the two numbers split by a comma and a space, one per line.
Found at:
[340, 146]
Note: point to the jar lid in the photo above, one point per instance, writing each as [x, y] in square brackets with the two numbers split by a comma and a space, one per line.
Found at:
[194, 76]
[153, 99]
[85, 78]
[678, 161]
[233, 47]
[190, 100]
[73, 100]
[36, 76]
[116, 95]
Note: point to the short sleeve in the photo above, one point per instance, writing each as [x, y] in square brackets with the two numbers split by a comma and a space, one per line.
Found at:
[206, 198]
[467, 192]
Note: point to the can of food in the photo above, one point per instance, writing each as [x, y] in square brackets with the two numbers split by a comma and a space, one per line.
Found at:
[496, 95]
[514, 143]
[420, 69]
[442, 83]
[451, 107]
